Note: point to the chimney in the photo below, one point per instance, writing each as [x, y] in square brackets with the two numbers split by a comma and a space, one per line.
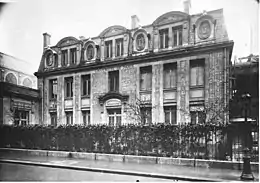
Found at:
[46, 40]
[186, 6]
[135, 22]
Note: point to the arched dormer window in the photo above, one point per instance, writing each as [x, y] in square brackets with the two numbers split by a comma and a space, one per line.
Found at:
[91, 51]
[140, 41]
[27, 82]
[49, 59]
[10, 78]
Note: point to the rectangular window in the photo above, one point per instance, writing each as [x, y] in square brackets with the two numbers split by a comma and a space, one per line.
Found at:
[146, 115]
[119, 47]
[164, 38]
[170, 76]
[53, 119]
[69, 118]
[197, 72]
[108, 49]
[64, 57]
[85, 85]
[53, 85]
[177, 36]
[146, 78]
[86, 118]
[114, 117]
[69, 87]
[21, 117]
[197, 114]
[73, 56]
[113, 81]
[170, 115]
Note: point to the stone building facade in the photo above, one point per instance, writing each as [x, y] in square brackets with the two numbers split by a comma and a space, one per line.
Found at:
[175, 65]
[19, 97]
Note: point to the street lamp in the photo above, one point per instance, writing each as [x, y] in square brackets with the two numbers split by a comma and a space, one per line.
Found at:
[246, 174]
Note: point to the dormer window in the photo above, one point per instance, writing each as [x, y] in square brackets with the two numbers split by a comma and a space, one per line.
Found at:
[108, 49]
[164, 38]
[119, 47]
[49, 59]
[140, 42]
[73, 56]
[177, 36]
[90, 52]
[64, 57]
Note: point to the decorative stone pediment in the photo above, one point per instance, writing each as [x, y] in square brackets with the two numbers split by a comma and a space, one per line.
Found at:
[112, 31]
[113, 98]
[67, 41]
[170, 17]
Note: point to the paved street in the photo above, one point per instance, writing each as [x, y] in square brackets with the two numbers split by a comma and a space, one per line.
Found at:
[57, 174]
[10, 172]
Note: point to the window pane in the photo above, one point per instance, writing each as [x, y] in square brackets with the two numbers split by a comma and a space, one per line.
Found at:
[200, 75]
[193, 117]
[167, 116]
[180, 37]
[173, 116]
[174, 38]
[118, 120]
[149, 81]
[193, 76]
[166, 80]
[166, 39]
[161, 41]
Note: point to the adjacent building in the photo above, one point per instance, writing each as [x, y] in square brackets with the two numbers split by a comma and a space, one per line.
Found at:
[177, 65]
[19, 97]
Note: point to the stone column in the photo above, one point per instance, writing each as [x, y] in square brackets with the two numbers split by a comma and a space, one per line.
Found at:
[60, 102]
[156, 39]
[170, 35]
[156, 97]
[59, 58]
[125, 45]
[102, 50]
[113, 49]
[183, 91]
[77, 103]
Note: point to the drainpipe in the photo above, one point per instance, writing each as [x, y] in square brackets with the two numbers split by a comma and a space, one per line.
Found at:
[43, 84]
[225, 84]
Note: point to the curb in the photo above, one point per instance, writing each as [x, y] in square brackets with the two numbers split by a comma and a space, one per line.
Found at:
[137, 159]
[102, 170]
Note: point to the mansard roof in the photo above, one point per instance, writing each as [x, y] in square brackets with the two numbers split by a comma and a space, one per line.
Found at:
[113, 30]
[172, 16]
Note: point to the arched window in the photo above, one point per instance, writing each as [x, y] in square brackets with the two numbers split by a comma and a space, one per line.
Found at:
[10, 78]
[49, 59]
[90, 52]
[27, 82]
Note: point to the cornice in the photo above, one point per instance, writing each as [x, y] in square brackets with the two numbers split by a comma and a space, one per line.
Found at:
[150, 57]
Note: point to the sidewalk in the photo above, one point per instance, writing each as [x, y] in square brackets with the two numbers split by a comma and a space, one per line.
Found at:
[168, 170]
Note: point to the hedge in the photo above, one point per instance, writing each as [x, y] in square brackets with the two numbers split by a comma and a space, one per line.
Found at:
[189, 141]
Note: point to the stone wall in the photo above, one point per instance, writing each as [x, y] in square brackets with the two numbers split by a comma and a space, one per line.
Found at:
[129, 85]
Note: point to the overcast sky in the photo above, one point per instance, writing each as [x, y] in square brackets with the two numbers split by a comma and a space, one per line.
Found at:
[23, 22]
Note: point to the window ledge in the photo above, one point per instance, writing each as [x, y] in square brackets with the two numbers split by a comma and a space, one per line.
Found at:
[170, 89]
[197, 87]
[85, 96]
[68, 98]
